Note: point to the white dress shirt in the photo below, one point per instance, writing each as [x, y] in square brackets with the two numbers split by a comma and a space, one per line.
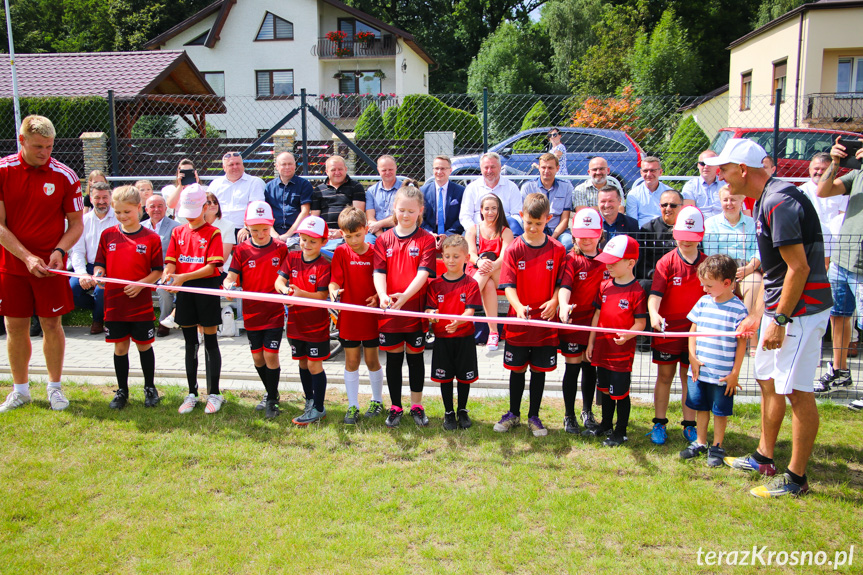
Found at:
[84, 250]
[507, 191]
[234, 197]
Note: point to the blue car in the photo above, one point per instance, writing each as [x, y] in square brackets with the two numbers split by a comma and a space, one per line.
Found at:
[518, 152]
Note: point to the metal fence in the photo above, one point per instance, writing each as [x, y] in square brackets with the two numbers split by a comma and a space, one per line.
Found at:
[148, 135]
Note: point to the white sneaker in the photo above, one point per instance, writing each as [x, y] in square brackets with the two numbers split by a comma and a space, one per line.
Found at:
[214, 403]
[57, 399]
[189, 404]
[856, 405]
[493, 341]
[13, 401]
[169, 322]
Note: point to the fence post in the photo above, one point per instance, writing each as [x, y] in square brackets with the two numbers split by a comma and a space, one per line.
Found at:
[283, 141]
[305, 133]
[776, 100]
[115, 159]
[484, 120]
[95, 148]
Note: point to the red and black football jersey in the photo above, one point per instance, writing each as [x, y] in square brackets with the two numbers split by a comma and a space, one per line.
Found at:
[400, 258]
[676, 282]
[535, 272]
[191, 250]
[619, 306]
[128, 257]
[307, 323]
[453, 297]
[257, 268]
[582, 276]
[354, 273]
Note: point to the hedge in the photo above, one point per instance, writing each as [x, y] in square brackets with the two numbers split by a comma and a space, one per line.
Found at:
[71, 116]
[681, 156]
[536, 117]
[420, 113]
[370, 125]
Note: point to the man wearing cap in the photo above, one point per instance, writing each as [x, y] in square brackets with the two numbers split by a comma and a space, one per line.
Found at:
[40, 220]
[703, 191]
[235, 190]
[289, 196]
[614, 221]
[379, 198]
[586, 194]
[83, 255]
[559, 194]
[642, 202]
[796, 308]
[848, 263]
[156, 209]
[337, 192]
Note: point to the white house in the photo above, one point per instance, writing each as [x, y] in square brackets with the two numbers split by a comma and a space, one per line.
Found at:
[259, 54]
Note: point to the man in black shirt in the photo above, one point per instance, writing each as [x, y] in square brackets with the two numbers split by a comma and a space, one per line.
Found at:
[336, 193]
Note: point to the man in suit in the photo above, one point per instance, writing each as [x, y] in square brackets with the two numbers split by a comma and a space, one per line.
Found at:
[163, 226]
[438, 193]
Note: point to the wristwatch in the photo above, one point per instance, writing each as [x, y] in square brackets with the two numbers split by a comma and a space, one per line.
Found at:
[782, 320]
[61, 250]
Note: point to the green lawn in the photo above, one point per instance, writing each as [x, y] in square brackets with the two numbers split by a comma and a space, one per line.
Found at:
[90, 490]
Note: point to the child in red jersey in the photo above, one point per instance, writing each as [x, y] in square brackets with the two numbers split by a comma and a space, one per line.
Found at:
[582, 277]
[306, 274]
[404, 260]
[454, 353]
[673, 294]
[531, 276]
[194, 258]
[129, 251]
[621, 304]
[352, 281]
[486, 242]
[255, 265]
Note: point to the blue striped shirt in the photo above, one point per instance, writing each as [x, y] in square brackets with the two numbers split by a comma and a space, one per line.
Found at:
[716, 353]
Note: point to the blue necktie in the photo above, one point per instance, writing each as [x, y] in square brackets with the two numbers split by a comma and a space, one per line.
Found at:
[441, 224]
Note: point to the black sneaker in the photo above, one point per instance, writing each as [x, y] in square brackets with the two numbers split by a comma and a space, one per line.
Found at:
[587, 420]
[825, 384]
[715, 456]
[597, 431]
[35, 327]
[615, 440]
[843, 378]
[272, 409]
[375, 408]
[694, 450]
[394, 418]
[352, 415]
[262, 405]
[151, 397]
[121, 398]
[419, 415]
[449, 421]
[464, 421]
[570, 425]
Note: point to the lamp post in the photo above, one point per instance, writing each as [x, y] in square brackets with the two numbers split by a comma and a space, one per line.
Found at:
[14, 73]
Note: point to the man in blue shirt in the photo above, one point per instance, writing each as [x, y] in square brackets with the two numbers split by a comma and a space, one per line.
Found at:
[703, 191]
[289, 195]
[642, 202]
[614, 222]
[379, 198]
[559, 194]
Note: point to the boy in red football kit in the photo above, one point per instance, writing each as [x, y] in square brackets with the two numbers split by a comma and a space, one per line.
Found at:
[194, 258]
[454, 353]
[353, 268]
[130, 251]
[255, 265]
[404, 260]
[531, 275]
[673, 294]
[38, 196]
[582, 276]
[621, 303]
[306, 274]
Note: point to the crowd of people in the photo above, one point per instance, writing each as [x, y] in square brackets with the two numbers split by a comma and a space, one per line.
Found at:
[665, 260]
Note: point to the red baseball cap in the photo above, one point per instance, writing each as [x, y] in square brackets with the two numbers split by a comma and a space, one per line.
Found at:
[689, 226]
[618, 248]
[315, 227]
[587, 223]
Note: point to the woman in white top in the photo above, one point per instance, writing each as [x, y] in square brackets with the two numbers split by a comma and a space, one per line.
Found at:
[558, 150]
[213, 216]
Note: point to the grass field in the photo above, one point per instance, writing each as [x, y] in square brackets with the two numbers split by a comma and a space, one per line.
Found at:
[90, 490]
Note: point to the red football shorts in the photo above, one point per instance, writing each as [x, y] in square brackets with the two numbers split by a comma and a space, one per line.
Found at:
[21, 296]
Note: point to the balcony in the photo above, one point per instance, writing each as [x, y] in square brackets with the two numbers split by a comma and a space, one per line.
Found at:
[382, 47]
[348, 106]
[835, 110]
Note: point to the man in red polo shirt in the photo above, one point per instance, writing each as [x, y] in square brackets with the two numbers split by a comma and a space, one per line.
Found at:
[37, 196]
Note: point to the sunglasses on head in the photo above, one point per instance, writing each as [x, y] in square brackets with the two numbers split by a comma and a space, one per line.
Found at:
[231, 155]
[669, 205]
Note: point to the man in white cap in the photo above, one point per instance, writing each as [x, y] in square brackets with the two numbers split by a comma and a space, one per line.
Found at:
[797, 302]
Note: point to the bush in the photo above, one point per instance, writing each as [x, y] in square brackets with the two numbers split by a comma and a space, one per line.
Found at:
[682, 155]
[212, 132]
[155, 127]
[536, 117]
[390, 115]
[420, 113]
[71, 116]
[370, 125]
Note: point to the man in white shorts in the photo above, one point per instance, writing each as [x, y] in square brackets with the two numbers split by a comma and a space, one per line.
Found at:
[796, 308]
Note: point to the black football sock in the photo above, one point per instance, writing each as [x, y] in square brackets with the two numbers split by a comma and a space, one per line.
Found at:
[306, 381]
[516, 391]
[272, 383]
[416, 372]
[190, 336]
[121, 369]
[607, 413]
[446, 395]
[319, 384]
[148, 366]
[624, 406]
[262, 373]
[213, 362]
[588, 385]
[463, 392]
[570, 387]
[394, 376]
[537, 387]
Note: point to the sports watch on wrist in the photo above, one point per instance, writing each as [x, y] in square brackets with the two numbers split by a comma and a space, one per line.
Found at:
[782, 320]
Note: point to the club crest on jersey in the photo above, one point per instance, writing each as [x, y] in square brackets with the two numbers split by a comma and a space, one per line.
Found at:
[441, 373]
[582, 276]
[141, 248]
[603, 298]
[251, 263]
[689, 222]
[549, 265]
[313, 351]
[389, 252]
[275, 262]
[202, 242]
[758, 228]
[273, 344]
[507, 356]
[48, 189]
[521, 265]
[294, 273]
[677, 281]
[413, 251]
[469, 375]
[462, 297]
[313, 279]
[623, 304]
[112, 247]
[440, 298]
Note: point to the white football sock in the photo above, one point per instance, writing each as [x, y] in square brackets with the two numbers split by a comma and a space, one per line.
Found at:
[352, 387]
[22, 388]
[376, 379]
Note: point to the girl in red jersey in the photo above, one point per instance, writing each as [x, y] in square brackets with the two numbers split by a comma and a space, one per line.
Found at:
[486, 243]
[581, 280]
[404, 260]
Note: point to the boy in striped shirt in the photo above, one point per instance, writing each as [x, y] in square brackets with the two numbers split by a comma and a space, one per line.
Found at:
[715, 362]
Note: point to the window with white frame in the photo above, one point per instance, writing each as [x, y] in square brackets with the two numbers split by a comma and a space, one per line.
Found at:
[849, 79]
[216, 80]
[275, 28]
[274, 83]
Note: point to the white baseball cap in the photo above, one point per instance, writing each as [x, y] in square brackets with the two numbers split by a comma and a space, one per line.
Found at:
[689, 226]
[315, 227]
[618, 248]
[587, 223]
[192, 200]
[738, 151]
[259, 212]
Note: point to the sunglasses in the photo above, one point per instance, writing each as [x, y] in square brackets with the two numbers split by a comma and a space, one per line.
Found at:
[701, 164]
[212, 203]
[554, 135]
[231, 155]
[669, 205]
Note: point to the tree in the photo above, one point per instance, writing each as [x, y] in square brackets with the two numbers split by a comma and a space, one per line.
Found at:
[611, 113]
[390, 115]
[370, 125]
[569, 26]
[772, 9]
[663, 62]
[688, 141]
[155, 127]
[536, 117]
